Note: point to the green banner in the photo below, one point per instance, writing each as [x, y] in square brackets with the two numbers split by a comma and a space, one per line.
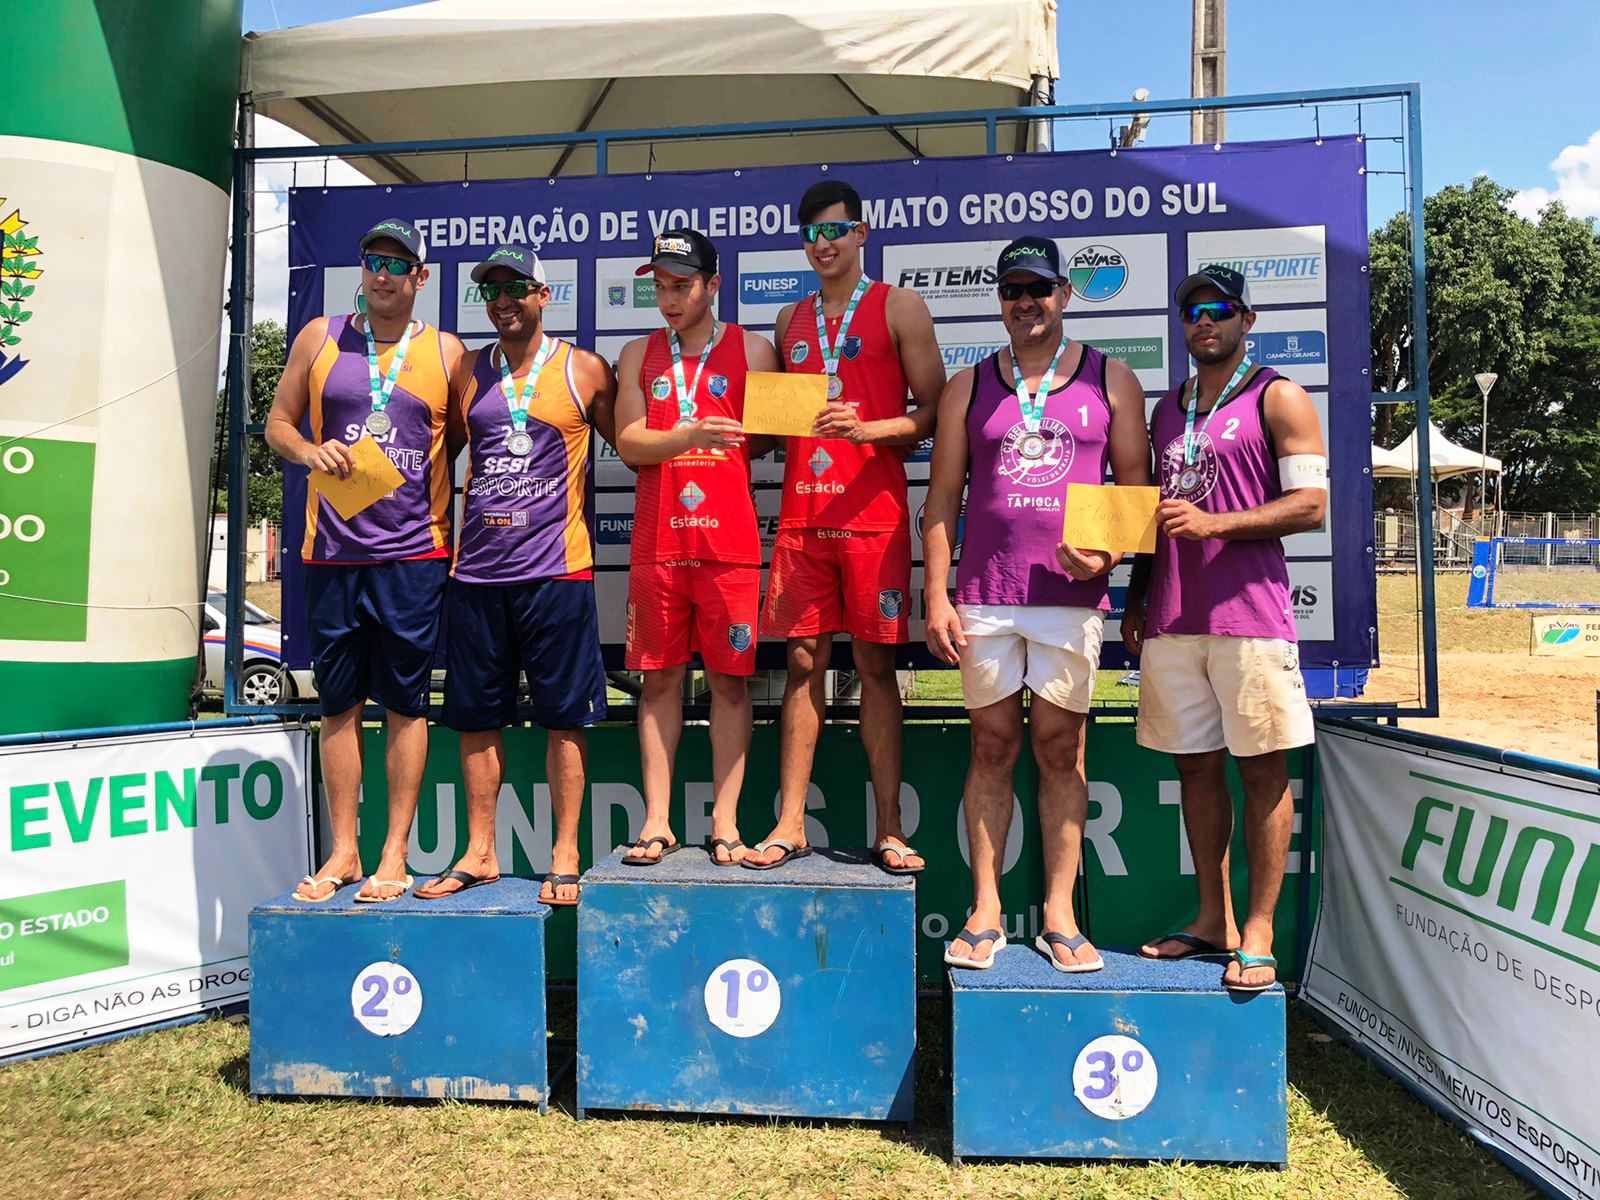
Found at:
[1142, 354]
[46, 492]
[57, 935]
[1135, 885]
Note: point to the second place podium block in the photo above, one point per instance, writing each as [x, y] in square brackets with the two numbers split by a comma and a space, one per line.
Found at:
[724, 990]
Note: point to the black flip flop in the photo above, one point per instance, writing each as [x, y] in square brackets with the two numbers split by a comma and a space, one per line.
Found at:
[644, 844]
[556, 881]
[465, 878]
[880, 855]
[790, 853]
[1198, 948]
[730, 847]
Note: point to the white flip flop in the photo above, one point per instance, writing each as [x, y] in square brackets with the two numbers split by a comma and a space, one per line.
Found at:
[972, 939]
[403, 885]
[315, 882]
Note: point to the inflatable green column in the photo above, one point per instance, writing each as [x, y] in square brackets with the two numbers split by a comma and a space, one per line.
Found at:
[116, 122]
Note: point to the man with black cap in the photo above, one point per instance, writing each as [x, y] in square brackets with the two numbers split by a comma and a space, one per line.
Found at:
[1240, 461]
[1014, 431]
[694, 580]
[374, 581]
[521, 596]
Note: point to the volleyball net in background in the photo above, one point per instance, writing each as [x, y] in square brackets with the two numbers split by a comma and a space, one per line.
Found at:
[1525, 572]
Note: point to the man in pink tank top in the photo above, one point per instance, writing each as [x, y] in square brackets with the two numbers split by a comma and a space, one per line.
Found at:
[1240, 461]
[1014, 431]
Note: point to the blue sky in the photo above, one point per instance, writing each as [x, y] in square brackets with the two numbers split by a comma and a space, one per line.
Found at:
[1507, 88]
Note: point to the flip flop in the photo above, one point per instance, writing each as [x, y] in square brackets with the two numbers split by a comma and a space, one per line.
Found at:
[556, 881]
[643, 844]
[790, 852]
[972, 939]
[730, 847]
[1198, 948]
[1246, 961]
[465, 878]
[880, 855]
[1045, 942]
[315, 883]
[403, 884]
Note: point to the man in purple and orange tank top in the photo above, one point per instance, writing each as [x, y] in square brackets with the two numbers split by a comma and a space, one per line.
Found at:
[374, 581]
[1015, 430]
[1240, 461]
[521, 596]
[694, 576]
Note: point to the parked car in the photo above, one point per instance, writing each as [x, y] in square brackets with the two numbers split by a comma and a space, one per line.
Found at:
[264, 679]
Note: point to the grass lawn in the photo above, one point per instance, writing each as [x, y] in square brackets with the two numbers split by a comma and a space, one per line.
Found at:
[166, 1115]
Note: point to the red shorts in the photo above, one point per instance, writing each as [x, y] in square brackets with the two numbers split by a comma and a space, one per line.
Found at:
[832, 580]
[676, 610]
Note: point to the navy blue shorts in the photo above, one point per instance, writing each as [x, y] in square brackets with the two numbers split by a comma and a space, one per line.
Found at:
[547, 628]
[373, 628]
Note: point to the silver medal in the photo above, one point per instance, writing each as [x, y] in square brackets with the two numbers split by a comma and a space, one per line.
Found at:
[835, 387]
[379, 422]
[1189, 480]
[520, 443]
[1032, 447]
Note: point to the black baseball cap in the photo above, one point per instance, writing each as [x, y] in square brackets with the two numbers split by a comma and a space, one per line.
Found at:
[404, 232]
[520, 260]
[1226, 280]
[1038, 255]
[682, 252]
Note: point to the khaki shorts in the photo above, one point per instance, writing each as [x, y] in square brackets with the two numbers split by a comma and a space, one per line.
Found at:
[1199, 693]
[1055, 651]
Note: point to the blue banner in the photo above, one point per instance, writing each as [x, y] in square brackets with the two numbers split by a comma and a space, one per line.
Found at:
[1291, 215]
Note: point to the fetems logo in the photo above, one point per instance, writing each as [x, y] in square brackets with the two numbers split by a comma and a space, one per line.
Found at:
[19, 266]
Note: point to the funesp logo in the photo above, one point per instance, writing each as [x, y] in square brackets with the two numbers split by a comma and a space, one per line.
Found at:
[777, 287]
[19, 266]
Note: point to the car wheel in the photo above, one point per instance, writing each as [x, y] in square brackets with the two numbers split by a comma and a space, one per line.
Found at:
[265, 684]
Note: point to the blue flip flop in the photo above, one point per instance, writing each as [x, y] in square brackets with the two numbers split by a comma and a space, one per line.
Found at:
[790, 853]
[1198, 947]
[635, 856]
[1246, 961]
[972, 939]
[1046, 942]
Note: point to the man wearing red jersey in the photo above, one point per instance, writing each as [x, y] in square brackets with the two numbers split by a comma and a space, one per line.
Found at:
[842, 561]
[694, 579]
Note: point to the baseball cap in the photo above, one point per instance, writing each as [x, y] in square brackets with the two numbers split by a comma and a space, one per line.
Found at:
[1226, 280]
[1036, 254]
[681, 252]
[520, 260]
[404, 232]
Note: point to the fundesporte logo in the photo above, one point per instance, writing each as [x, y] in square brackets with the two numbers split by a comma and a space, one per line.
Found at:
[19, 266]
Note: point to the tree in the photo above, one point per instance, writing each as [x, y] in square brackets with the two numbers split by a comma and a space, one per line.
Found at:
[264, 482]
[1505, 294]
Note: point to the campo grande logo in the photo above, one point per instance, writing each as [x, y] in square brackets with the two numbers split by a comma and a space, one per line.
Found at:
[19, 264]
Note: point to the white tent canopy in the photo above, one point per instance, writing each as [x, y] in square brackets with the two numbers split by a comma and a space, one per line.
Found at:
[1446, 459]
[475, 68]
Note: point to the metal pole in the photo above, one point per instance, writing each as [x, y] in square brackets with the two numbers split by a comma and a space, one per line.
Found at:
[1419, 384]
[243, 226]
[1041, 134]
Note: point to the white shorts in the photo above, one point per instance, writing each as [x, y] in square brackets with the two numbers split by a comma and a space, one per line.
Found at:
[1199, 693]
[1055, 651]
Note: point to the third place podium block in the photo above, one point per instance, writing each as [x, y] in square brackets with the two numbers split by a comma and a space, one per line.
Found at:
[413, 998]
[1144, 1060]
[713, 989]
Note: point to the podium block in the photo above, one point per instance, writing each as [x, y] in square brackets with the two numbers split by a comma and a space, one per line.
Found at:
[1144, 1060]
[414, 998]
[723, 990]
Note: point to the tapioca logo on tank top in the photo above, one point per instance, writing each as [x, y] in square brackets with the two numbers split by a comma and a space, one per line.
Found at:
[1189, 481]
[1037, 459]
[19, 267]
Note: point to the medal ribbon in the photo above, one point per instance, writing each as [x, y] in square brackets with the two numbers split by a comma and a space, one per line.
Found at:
[1033, 406]
[508, 385]
[1191, 444]
[830, 354]
[382, 389]
[687, 392]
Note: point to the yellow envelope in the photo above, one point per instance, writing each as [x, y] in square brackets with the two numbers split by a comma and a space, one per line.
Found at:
[374, 478]
[783, 405]
[1118, 519]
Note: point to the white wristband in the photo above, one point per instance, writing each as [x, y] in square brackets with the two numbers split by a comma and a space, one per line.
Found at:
[1303, 471]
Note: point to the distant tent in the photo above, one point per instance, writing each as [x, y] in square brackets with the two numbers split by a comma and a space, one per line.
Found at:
[1446, 459]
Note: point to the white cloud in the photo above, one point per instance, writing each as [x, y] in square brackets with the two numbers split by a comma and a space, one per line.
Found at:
[1577, 171]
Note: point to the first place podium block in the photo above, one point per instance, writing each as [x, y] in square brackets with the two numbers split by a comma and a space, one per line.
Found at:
[724, 990]
[1143, 1060]
[414, 998]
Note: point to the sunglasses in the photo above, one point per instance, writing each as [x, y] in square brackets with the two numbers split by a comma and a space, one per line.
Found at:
[1217, 311]
[517, 289]
[397, 267]
[1037, 290]
[828, 231]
